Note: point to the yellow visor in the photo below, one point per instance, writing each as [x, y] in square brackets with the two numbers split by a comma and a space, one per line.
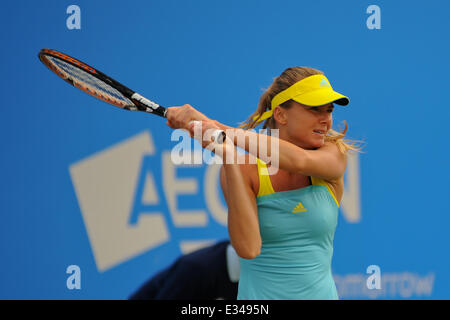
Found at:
[314, 91]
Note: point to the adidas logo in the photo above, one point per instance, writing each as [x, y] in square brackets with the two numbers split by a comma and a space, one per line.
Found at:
[299, 208]
[324, 83]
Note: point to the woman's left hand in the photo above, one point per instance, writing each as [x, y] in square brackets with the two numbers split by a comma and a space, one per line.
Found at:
[203, 130]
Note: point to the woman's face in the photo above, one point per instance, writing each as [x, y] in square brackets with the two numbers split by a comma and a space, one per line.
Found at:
[306, 126]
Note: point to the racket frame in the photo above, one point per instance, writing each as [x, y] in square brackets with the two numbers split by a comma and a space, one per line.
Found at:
[140, 103]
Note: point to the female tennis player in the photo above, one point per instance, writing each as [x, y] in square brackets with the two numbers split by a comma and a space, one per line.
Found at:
[282, 225]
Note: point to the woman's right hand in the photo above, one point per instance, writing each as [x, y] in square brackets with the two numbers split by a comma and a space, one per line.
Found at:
[180, 117]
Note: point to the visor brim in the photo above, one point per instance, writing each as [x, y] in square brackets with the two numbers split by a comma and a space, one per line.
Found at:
[321, 97]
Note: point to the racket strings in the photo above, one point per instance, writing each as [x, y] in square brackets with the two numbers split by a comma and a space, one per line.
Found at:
[90, 84]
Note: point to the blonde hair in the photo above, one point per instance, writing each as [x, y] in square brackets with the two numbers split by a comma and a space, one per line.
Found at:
[285, 80]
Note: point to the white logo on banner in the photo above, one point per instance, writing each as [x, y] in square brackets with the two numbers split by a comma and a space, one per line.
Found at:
[114, 209]
[105, 185]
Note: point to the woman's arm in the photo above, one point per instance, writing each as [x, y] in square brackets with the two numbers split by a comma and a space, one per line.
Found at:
[243, 224]
[327, 162]
[236, 183]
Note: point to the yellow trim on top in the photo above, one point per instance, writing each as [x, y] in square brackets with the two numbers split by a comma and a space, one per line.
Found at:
[265, 185]
[321, 182]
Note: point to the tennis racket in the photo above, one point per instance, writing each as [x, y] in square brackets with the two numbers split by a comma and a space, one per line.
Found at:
[100, 86]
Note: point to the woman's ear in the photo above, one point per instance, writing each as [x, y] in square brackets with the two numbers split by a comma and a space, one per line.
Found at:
[280, 115]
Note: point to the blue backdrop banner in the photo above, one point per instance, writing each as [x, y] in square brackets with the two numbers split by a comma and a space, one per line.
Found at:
[92, 191]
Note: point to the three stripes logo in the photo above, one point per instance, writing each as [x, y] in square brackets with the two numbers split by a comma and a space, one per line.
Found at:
[324, 83]
[299, 208]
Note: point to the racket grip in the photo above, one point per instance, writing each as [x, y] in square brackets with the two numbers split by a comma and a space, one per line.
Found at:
[218, 136]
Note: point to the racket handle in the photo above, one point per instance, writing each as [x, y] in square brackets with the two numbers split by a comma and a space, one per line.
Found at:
[218, 136]
[146, 105]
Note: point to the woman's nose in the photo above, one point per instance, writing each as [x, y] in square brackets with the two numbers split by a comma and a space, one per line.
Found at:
[325, 116]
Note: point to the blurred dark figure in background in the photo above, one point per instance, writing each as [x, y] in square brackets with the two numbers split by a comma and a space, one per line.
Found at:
[208, 273]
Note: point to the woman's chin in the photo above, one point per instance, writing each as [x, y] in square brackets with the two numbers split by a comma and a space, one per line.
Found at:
[318, 143]
[311, 143]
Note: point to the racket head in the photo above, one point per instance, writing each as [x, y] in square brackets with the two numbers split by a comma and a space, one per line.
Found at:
[88, 79]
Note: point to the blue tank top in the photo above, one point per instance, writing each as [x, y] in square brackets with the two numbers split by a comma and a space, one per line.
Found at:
[297, 230]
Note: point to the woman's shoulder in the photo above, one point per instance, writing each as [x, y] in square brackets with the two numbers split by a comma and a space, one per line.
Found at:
[336, 185]
[334, 145]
